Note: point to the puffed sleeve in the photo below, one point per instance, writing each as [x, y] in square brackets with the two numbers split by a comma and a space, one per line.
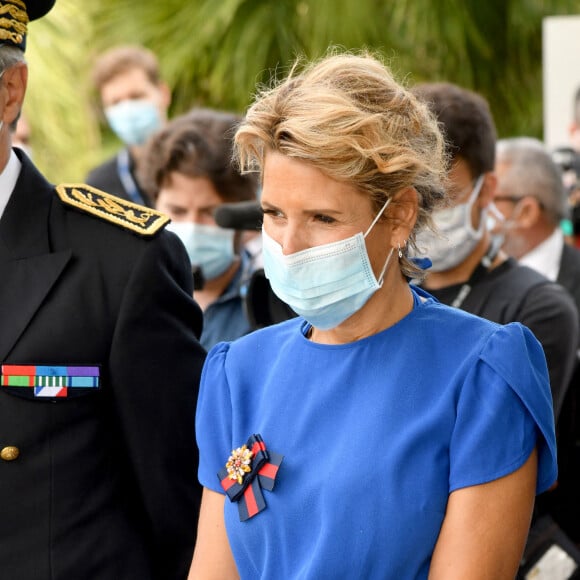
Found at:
[214, 418]
[503, 411]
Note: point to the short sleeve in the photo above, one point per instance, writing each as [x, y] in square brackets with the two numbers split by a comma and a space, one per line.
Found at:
[503, 411]
[213, 423]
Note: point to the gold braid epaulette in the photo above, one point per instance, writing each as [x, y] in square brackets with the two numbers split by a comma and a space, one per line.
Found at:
[131, 216]
[13, 21]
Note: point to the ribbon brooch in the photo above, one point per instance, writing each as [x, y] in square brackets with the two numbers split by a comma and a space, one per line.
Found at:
[250, 469]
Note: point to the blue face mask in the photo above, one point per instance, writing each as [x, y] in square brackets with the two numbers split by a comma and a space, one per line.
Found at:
[209, 247]
[325, 284]
[134, 121]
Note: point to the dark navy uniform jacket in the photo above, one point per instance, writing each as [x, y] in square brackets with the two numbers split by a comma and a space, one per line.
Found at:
[101, 485]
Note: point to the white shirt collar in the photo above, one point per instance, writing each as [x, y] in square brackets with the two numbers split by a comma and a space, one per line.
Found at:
[8, 179]
[545, 257]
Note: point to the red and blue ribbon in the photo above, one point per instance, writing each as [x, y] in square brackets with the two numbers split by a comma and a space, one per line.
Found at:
[262, 475]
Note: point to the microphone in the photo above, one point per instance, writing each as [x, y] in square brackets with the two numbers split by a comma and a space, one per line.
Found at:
[198, 278]
[240, 215]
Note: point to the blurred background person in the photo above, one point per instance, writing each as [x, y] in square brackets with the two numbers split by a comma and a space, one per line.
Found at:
[568, 159]
[135, 102]
[187, 170]
[532, 202]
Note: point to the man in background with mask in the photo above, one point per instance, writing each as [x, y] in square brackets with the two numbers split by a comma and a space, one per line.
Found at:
[469, 270]
[531, 201]
[135, 101]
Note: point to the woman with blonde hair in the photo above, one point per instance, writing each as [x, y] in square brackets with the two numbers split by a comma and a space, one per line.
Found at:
[379, 434]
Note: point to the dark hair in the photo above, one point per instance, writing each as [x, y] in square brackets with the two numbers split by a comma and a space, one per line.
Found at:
[197, 144]
[466, 121]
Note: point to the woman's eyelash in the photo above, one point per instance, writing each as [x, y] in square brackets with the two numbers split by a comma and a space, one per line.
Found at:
[273, 212]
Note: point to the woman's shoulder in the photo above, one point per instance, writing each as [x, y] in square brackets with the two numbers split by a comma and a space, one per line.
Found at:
[508, 392]
[507, 348]
[448, 321]
[516, 354]
[260, 341]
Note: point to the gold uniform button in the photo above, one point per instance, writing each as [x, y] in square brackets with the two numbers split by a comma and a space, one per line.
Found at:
[9, 453]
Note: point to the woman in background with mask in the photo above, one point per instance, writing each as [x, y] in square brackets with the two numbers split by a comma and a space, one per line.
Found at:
[379, 435]
[187, 169]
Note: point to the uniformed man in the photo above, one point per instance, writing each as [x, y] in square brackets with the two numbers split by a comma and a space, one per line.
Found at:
[99, 370]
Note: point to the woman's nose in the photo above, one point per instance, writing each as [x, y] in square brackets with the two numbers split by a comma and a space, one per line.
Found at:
[290, 238]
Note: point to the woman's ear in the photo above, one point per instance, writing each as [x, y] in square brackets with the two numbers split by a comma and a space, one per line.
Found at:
[403, 214]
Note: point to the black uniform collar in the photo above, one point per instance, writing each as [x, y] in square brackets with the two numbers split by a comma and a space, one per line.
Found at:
[24, 224]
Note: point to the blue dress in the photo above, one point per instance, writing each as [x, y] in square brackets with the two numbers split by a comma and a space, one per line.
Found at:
[375, 435]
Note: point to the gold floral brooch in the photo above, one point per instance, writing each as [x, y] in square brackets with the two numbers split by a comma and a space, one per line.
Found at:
[248, 470]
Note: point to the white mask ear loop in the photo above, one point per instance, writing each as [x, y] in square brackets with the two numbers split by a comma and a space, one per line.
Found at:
[378, 217]
[495, 213]
[382, 274]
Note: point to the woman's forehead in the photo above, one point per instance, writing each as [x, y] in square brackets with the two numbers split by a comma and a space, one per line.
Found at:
[286, 177]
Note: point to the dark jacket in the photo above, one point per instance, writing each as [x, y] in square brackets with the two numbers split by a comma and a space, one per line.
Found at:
[564, 502]
[105, 484]
[569, 274]
[106, 177]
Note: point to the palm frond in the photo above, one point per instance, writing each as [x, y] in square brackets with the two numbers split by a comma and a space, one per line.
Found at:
[214, 53]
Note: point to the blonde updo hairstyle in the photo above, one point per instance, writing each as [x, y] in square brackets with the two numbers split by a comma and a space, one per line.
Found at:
[347, 116]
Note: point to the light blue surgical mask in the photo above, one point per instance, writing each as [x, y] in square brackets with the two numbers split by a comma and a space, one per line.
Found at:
[325, 284]
[455, 238]
[209, 247]
[134, 121]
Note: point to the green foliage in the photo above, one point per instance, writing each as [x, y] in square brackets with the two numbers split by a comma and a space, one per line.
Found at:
[65, 132]
[215, 52]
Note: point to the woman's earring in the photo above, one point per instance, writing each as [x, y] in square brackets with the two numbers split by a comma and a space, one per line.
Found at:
[400, 251]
